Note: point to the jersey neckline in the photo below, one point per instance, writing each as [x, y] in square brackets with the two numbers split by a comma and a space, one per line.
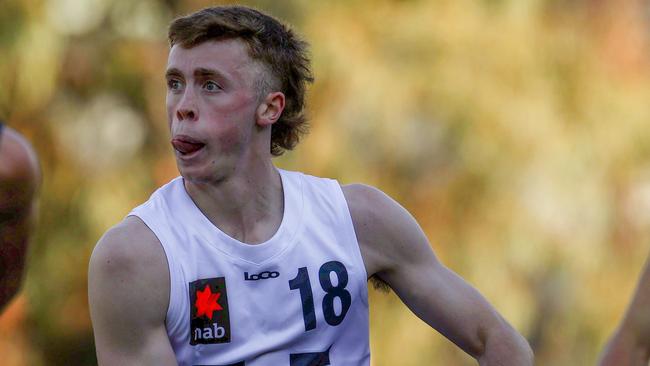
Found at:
[253, 253]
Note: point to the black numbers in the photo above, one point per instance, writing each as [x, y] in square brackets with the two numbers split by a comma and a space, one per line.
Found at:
[301, 282]
[310, 359]
[334, 291]
[299, 359]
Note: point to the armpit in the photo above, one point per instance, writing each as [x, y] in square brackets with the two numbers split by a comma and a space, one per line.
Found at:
[379, 284]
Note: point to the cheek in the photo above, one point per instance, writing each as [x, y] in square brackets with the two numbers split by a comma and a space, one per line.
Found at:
[169, 103]
[230, 138]
[238, 104]
[237, 116]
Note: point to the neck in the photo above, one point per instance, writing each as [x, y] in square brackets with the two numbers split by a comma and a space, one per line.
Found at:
[247, 205]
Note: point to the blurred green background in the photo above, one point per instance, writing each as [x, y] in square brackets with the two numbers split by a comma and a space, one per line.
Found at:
[516, 131]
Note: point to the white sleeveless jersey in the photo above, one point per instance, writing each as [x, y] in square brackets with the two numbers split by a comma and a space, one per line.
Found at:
[298, 299]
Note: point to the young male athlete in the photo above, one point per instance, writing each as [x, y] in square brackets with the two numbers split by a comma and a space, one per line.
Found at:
[237, 262]
[630, 344]
[19, 181]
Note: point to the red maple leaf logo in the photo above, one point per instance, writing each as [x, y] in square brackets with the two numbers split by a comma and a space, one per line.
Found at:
[206, 302]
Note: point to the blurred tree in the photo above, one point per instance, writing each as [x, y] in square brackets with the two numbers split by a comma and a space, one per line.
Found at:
[515, 131]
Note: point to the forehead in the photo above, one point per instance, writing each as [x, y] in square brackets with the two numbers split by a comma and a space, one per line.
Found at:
[230, 55]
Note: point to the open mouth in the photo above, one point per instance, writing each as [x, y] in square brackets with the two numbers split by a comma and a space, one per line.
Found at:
[186, 145]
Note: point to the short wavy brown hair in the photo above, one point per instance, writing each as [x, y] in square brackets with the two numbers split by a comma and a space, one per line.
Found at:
[270, 42]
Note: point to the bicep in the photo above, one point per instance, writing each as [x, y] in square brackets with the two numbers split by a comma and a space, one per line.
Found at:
[395, 248]
[127, 305]
[443, 300]
[19, 182]
[14, 235]
[16, 221]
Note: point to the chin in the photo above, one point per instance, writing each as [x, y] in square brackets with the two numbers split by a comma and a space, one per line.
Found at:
[200, 174]
[194, 175]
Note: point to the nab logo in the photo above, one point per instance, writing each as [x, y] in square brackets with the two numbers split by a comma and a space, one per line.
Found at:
[261, 276]
[209, 315]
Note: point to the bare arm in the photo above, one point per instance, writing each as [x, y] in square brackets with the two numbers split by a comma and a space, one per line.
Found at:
[19, 182]
[630, 344]
[128, 291]
[395, 248]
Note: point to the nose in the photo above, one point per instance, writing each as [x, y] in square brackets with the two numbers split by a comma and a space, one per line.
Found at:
[187, 109]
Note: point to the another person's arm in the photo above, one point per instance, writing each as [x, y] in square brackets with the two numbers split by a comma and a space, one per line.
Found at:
[19, 182]
[630, 344]
[128, 291]
[395, 248]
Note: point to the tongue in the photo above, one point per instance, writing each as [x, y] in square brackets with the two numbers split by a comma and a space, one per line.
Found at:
[185, 147]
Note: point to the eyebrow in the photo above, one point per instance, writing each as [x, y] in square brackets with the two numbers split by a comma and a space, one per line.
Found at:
[207, 73]
[201, 71]
[173, 72]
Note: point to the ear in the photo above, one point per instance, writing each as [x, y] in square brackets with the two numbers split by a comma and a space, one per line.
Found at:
[270, 110]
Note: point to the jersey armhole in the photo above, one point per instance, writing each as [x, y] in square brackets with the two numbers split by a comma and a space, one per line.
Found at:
[172, 317]
[347, 224]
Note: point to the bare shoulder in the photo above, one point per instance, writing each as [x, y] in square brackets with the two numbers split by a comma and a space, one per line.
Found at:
[127, 246]
[370, 206]
[18, 161]
[129, 264]
[370, 209]
[128, 293]
[19, 172]
[387, 233]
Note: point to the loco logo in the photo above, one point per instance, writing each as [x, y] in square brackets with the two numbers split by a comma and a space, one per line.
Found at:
[261, 276]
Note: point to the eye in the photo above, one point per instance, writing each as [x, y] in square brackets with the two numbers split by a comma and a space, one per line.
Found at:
[211, 86]
[174, 84]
